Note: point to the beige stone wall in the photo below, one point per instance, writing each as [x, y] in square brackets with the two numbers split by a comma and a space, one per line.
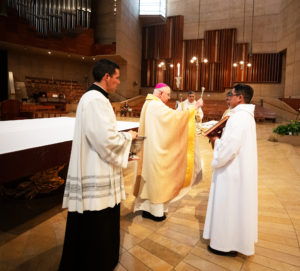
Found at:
[25, 63]
[216, 14]
[275, 28]
[289, 39]
[104, 22]
[129, 47]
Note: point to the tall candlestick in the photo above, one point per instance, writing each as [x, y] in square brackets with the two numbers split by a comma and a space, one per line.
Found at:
[202, 91]
[178, 69]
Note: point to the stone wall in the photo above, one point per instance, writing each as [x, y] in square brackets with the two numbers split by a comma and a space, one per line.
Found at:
[31, 63]
[289, 39]
[129, 47]
[104, 22]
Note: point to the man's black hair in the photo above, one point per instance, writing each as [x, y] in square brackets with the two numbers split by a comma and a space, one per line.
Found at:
[244, 90]
[102, 67]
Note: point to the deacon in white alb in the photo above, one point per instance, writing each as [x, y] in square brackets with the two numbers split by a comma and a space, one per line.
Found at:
[231, 218]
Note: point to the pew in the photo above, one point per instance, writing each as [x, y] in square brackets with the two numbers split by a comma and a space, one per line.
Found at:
[214, 109]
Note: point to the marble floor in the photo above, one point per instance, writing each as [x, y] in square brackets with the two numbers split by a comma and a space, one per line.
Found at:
[34, 241]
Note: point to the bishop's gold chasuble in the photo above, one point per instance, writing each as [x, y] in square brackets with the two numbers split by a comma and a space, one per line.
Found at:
[168, 154]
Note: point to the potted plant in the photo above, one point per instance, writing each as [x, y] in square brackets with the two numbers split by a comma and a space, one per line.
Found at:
[289, 133]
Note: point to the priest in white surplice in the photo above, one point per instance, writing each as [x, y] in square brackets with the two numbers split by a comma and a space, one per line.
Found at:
[231, 218]
[171, 158]
[94, 186]
[190, 102]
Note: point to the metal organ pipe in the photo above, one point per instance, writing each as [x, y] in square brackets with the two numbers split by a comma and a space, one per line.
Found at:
[54, 15]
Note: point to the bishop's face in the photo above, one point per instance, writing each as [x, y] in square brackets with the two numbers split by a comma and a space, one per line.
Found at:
[165, 96]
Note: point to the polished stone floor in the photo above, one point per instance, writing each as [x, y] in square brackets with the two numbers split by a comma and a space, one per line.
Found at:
[32, 232]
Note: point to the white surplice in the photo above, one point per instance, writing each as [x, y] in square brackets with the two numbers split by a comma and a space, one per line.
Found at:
[231, 218]
[185, 105]
[99, 152]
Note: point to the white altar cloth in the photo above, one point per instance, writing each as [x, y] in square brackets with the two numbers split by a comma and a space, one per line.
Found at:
[16, 135]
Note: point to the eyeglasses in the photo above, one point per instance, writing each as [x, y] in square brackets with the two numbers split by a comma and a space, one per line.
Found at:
[234, 95]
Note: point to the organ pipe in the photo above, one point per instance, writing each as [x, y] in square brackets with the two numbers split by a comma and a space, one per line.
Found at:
[54, 15]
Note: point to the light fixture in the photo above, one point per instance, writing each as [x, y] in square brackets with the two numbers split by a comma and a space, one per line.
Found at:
[195, 59]
[161, 64]
[115, 7]
[242, 62]
[49, 52]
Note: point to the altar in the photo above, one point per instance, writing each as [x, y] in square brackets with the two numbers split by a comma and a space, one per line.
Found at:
[29, 146]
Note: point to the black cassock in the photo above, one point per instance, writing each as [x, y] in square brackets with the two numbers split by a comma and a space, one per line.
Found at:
[92, 240]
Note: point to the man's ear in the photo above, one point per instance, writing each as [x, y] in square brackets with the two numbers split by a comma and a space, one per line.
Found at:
[106, 76]
[242, 99]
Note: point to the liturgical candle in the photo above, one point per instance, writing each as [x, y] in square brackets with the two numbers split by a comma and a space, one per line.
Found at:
[178, 69]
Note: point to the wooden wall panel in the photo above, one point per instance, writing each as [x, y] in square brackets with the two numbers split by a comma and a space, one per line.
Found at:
[266, 68]
[214, 78]
[165, 43]
[162, 43]
[219, 48]
[177, 36]
[228, 40]
[240, 73]
[194, 48]
[212, 45]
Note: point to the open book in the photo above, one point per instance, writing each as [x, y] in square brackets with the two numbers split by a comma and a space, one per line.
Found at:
[217, 129]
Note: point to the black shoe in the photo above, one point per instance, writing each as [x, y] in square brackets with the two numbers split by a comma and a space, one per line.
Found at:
[222, 253]
[155, 218]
